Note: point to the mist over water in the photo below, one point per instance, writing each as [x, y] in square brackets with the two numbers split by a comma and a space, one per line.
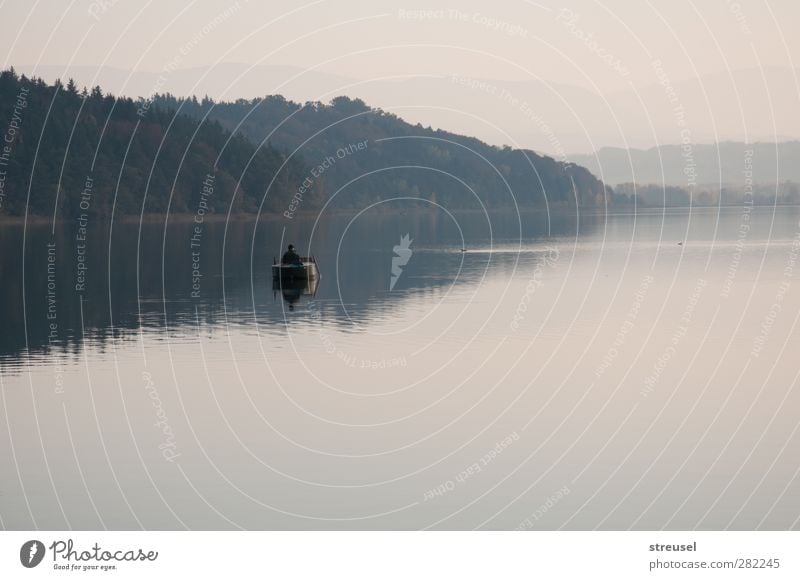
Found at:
[628, 370]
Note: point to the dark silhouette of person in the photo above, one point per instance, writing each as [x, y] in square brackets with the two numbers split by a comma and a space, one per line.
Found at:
[290, 257]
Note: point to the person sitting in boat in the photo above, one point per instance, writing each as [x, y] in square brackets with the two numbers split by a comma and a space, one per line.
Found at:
[291, 257]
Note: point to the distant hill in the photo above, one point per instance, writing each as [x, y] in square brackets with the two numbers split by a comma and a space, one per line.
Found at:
[80, 151]
[724, 163]
[398, 159]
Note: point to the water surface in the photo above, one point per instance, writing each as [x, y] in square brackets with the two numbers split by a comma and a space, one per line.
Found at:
[596, 371]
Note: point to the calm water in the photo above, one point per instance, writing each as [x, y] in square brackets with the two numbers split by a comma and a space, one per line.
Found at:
[561, 373]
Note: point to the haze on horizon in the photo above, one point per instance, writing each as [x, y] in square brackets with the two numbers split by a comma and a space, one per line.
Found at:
[558, 78]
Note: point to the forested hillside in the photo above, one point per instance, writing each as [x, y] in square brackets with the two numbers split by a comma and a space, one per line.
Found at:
[398, 159]
[68, 151]
[59, 139]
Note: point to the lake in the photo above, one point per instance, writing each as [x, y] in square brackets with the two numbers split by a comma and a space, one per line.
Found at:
[593, 371]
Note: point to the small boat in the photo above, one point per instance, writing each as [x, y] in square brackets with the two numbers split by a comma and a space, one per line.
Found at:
[306, 270]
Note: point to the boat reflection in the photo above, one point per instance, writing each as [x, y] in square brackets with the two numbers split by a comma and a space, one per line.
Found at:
[292, 289]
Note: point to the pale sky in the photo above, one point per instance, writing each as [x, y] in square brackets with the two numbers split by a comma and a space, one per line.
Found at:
[604, 47]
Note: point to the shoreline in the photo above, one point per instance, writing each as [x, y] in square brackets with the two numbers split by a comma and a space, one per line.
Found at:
[182, 218]
[150, 218]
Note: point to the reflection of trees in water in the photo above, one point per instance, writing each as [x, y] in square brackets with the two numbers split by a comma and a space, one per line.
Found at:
[142, 277]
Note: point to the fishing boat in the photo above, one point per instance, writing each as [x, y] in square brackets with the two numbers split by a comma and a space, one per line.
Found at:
[306, 269]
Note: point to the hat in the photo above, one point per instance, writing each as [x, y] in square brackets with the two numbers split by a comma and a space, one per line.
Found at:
[291, 247]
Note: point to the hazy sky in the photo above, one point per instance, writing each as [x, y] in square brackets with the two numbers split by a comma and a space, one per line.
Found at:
[600, 46]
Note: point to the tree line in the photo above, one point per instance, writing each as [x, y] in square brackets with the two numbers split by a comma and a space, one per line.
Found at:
[138, 159]
[153, 156]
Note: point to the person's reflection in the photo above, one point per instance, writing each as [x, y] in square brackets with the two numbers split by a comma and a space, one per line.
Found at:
[291, 295]
[293, 290]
